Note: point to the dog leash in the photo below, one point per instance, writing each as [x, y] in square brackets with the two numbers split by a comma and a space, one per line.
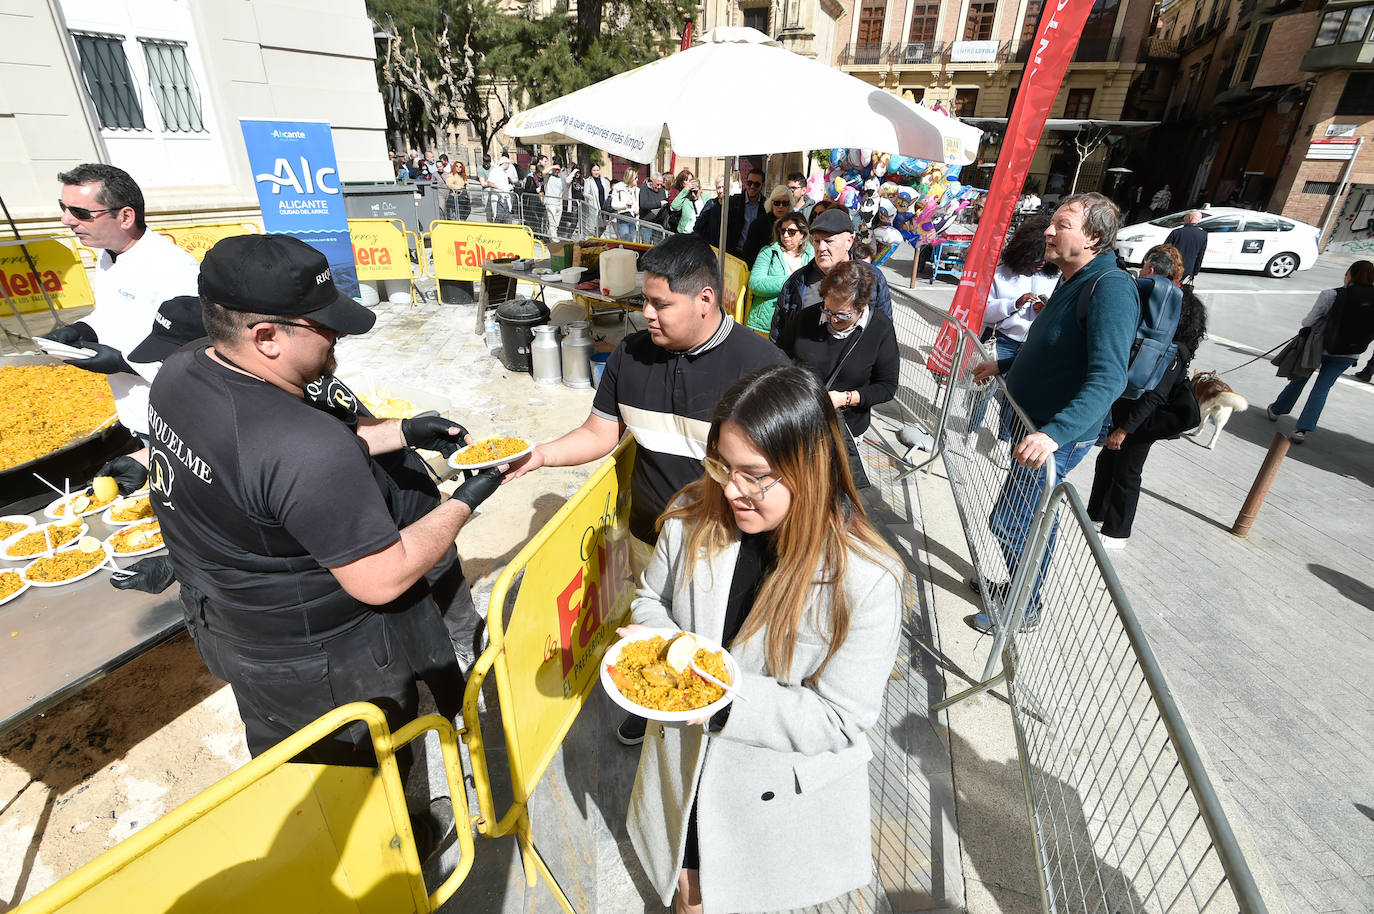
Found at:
[1258, 357]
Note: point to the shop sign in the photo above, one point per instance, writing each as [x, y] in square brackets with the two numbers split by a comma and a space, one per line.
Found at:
[973, 51]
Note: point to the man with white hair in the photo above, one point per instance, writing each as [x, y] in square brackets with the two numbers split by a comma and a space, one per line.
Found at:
[555, 189]
[1191, 241]
[653, 200]
[500, 184]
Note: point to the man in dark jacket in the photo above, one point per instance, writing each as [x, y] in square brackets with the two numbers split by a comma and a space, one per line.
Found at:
[745, 208]
[832, 235]
[653, 200]
[1191, 242]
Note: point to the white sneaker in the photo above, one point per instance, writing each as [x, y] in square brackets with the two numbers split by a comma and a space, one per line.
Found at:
[1113, 542]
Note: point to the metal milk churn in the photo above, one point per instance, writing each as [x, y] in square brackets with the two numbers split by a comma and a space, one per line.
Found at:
[577, 355]
[544, 352]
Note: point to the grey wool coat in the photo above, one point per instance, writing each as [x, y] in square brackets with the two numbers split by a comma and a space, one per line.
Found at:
[782, 790]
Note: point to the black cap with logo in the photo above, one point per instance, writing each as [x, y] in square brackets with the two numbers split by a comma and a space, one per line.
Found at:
[279, 275]
[178, 322]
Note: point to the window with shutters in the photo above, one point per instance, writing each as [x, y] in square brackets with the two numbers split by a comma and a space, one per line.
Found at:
[173, 87]
[756, 18]
[1033, 8]
[105, 69]
[871, 16]
[980, 16]
[924, 18]
[1079, 103]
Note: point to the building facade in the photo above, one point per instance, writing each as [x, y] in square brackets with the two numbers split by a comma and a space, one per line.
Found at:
[157, 87]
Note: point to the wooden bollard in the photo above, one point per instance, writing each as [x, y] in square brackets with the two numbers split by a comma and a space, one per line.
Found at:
[1259, 489]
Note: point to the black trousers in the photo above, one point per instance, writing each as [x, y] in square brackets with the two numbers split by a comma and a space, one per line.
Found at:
[1116, 487]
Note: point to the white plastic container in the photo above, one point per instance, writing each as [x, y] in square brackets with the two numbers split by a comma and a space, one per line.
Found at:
[617, 272]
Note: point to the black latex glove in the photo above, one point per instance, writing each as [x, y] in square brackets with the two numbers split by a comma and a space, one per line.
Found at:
[128, 473]
[72, 334]
[432, 434]
[150, 575]
[478, 487]
[107, 360]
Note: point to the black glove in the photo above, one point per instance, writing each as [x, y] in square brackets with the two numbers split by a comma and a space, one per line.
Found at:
[478, 487]
[128, 473]
[432, 434]
[107, 360]
[150, 575]
[72, 334]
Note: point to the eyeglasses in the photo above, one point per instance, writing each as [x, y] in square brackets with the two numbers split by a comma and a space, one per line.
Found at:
[318, 328]
[750, 487]
[792, 231]
[837, 316]
[794, 187]
[753, 183]
[81, 214]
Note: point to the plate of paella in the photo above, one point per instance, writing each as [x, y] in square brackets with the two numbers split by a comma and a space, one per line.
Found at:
[136, 539]
[67, 566]
[42, 539]
[10, 524]
[82, 503]
[649, 674]
[489, 452]
[12, 584]
[128, 509]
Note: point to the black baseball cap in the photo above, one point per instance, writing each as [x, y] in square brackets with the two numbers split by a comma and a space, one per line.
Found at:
[178, 322]
[830, 222]
[279, 275]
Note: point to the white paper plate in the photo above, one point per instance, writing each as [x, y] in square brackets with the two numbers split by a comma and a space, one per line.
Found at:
[62, 350]
[80, 577]
[613, 654]
[109, 544]
[108, 516]
[18, 519]
[51, 509]
[5, 546]
[509, 458]
[23, 586]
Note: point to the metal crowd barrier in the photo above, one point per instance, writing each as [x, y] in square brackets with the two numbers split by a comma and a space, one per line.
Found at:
[551, 219]
[1124, 816]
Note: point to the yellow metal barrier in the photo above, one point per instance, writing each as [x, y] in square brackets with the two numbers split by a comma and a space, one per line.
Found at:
[381, 250]
[281, 836]
[60, 274]
[460, 248]
[548, 632]
[200, 238]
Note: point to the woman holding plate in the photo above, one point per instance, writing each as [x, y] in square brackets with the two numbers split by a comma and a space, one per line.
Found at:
[765, 804]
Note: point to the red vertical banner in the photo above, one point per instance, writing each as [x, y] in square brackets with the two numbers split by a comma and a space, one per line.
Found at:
[1051, 50]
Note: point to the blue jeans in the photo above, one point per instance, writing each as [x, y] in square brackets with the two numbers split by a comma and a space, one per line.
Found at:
[1333, 366]
[1014, 514]
[1006, 349]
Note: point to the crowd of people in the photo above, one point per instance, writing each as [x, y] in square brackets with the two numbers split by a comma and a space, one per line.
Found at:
[746, 516]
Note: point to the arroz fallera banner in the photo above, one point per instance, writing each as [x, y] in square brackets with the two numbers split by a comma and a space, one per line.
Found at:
[297, 178]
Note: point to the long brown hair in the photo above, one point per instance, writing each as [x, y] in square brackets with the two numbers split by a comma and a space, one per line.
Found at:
[786, 412]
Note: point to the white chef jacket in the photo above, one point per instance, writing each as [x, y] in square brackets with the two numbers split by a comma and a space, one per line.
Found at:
[128, 291]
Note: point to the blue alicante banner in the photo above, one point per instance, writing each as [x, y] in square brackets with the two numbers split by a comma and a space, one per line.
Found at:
[297, 178]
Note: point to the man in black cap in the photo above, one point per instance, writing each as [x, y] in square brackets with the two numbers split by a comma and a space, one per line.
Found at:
[298, 586]
[832, 235]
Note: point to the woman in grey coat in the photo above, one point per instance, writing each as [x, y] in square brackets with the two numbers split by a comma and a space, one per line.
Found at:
[765, 805]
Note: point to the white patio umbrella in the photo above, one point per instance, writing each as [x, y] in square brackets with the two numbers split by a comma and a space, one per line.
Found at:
[693, 97]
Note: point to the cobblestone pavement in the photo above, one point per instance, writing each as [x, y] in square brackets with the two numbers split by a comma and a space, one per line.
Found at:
[1266, 640]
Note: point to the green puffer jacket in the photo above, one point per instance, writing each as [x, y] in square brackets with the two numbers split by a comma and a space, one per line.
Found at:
[765, 281]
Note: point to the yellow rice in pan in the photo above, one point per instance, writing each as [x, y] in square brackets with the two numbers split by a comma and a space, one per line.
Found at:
[693, 692]
[43, 407]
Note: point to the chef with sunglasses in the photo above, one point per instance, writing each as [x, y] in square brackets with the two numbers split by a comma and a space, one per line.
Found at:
[137, 270]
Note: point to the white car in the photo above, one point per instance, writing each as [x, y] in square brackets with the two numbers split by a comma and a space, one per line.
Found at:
[1237, 239]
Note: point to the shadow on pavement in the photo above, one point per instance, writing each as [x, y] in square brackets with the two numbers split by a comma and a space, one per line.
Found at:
[1352, 589]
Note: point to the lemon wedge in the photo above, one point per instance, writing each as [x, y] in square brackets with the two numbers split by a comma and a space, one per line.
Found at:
[105, 488]
[80, 503]
[88, 544]
[681, 651]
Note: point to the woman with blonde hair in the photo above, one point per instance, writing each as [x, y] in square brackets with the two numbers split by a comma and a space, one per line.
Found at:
[625, 203]
[790, 251]
[775, 206]
[765, 805]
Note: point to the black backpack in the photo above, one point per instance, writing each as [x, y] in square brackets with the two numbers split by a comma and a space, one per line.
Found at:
[1154, 350]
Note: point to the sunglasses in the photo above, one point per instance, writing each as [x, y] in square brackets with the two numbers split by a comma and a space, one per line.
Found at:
[753, 183]
[81, 214]
[792, 231]
[781, 203]
[318, 328]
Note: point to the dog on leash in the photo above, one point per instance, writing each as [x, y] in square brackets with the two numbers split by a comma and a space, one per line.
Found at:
[1216, 401]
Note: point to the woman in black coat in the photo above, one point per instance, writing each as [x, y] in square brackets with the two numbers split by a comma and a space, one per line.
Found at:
[1164, 412]
[851, 348]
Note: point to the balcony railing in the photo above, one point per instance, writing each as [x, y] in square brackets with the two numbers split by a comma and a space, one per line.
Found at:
[865, 55]
[916, 52]
[1159, 48]
[1089, 50]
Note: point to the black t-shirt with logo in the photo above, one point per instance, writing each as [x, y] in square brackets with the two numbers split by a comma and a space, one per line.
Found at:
[259, 493]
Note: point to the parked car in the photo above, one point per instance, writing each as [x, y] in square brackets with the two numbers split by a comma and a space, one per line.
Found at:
[1237, 239]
